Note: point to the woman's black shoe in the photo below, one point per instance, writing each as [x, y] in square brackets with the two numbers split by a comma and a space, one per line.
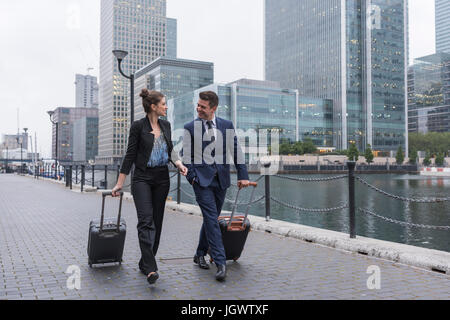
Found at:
[153, 277]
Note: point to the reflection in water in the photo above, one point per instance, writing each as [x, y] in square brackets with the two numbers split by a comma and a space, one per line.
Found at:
[333, 193]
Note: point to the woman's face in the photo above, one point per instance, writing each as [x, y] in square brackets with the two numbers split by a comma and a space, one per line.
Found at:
[161, 108]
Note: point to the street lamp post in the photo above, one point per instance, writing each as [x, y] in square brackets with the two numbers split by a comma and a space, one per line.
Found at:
[51, 114]
[120, 55]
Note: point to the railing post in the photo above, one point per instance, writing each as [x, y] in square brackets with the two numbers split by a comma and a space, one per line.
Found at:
[66, 175]
[106, 177]
[178, 187]
[351, 196]
[82, 177]
[267, 186]
[70, 177]
[93, 175]
[76, 174]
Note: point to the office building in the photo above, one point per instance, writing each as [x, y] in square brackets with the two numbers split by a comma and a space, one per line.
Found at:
[139, 27]
[12, 141]
[442, 15]
[173, 77]
[66, 118]
[251, 105]
[86, 91]
[85, 139]
[171, 40]
[351, 52]
[429, 94]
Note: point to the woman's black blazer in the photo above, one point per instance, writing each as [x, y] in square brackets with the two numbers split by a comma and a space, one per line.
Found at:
[140, 144]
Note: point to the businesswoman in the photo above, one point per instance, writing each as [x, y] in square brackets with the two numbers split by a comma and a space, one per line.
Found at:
[150, 150]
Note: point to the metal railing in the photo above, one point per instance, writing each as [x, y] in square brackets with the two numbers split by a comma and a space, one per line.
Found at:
[77, 174]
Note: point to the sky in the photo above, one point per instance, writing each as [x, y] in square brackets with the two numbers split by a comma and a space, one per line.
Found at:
[45, 43]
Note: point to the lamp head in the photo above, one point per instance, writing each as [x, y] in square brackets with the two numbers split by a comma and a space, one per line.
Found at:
[120, 54]
[51, 113]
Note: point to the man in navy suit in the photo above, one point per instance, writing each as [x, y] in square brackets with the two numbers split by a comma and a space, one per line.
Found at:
[209, 143]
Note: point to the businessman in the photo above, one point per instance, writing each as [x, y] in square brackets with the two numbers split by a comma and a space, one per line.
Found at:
[209, 145]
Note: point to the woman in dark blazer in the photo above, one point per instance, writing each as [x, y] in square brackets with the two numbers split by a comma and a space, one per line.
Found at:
[150, 150]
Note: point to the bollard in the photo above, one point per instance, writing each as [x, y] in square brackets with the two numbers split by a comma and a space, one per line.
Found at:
[179, 187]
[70, 177]
[267, 186]
[66, 175]
[93, 175]
[82, 177]
[106, 177]
[351, 196]
[76, 174]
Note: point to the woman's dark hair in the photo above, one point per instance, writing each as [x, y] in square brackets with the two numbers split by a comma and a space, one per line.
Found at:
[211, 97]
[149, 98]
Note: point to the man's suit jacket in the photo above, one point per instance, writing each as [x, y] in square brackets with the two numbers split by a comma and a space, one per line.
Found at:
[203, 172]
[140, 144]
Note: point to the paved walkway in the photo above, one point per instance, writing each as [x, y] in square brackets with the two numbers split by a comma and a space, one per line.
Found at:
[44, 230]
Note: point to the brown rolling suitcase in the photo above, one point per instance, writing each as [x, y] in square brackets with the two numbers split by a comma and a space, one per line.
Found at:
[235, 229]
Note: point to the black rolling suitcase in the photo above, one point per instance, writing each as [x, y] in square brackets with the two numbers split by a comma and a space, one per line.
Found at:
[106, 237]
[235, 229]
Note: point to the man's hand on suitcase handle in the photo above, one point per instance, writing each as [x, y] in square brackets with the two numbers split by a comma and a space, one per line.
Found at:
[243, 184]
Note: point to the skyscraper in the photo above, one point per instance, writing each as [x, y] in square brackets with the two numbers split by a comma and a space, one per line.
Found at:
[86, 91]
[429, 94]
[139, 27]
[353, 52]
[443, 26]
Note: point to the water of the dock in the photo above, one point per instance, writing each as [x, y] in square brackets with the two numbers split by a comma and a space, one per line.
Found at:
[44, 230]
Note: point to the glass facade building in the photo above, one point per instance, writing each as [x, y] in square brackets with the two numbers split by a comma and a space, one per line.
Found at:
[141, 28]
[316, 121]
[351, 52]
[172, 77]
[249, 104]
[171, 40]
[442, 15]
[85, 139]
[66, 118]
[429, 94]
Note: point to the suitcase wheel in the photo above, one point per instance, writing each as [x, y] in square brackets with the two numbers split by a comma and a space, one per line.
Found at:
[90, 264]
[236, 259]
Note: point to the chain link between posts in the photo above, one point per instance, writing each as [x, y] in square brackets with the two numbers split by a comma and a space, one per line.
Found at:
[423, 200]
[403, 222]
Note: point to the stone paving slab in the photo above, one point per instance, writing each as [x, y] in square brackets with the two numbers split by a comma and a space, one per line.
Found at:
[44, 230]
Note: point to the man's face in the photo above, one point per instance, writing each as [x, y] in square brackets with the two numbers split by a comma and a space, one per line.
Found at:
[204, 110]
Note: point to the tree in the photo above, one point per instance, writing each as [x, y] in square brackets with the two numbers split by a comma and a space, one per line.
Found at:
[427, 161]
[412, 156]
[368, 154]
[297, 148]
[353, 153]
[400, 157]
[440, 159]
[308, 146]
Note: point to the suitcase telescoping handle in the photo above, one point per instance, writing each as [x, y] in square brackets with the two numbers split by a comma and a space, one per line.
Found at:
[104, 195]
[251, 184]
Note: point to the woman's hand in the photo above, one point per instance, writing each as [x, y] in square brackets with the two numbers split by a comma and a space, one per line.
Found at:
[116, 190]
[182, 168]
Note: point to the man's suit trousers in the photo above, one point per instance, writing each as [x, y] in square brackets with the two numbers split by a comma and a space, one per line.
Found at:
[210, 200]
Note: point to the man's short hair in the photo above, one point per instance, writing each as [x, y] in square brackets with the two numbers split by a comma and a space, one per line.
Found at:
[211, 97]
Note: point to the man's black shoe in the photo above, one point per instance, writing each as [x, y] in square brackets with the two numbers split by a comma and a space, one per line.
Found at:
[221, 273]
[200, 260]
